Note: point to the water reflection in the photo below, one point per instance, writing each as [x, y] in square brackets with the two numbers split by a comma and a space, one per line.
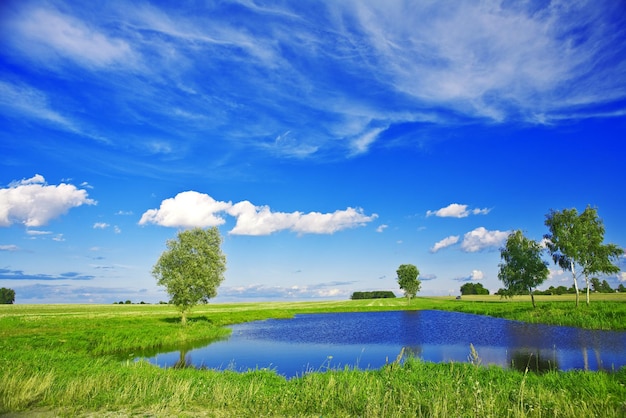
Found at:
[368, 340]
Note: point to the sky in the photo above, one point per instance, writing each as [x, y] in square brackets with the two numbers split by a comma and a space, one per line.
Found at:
[329, 141]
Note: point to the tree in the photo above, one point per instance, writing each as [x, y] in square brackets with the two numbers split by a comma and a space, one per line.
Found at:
[407, 279]
[192, 268]
[601, 287]
[474, 289]
[522, 268]
[7, 296]
[575, 241]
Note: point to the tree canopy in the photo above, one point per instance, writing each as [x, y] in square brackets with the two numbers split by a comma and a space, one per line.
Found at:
[522, 268]
[474, 289]
[7, 296]
[575, 242]
[192, 268]
[408, 281]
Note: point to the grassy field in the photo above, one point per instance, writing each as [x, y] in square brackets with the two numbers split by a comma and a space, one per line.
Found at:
[73, 360]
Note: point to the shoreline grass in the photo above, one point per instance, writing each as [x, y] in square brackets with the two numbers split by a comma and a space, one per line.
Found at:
[63, 360]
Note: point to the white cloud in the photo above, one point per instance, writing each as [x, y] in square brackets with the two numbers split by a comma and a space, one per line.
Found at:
[10, 247]
[362, 143]
[381, 228]
[259, 291]
[477, 275]
[187, 209]
[37, 232]
[446, 242]
[100, 225]
[456, 210]
[491, 58]
[557, 274]
[193, 209]
[327, 223]
[260, 220]
[480, 239]
[48, 34]
[33, 203]
[621, 277]
[27, 101]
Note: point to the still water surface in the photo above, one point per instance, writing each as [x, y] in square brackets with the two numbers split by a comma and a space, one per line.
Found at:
[316, 342]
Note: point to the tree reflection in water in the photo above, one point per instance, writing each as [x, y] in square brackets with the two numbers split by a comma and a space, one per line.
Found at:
[534, 361]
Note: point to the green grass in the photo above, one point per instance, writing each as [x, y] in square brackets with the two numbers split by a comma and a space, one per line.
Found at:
[77, 360]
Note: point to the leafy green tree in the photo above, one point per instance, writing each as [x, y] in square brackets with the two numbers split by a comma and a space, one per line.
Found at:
[408, 281]
[474, 289]
[621, 288]
[522, 268]
[601, 286]
[575, 242]
[192, 268]
[7, 296]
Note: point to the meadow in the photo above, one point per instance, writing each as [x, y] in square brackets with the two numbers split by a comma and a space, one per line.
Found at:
[77, 360]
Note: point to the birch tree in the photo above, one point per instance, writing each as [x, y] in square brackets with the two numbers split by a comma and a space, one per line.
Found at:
[575, 242]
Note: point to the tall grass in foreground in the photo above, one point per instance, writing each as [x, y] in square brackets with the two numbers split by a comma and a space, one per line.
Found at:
[72, 360]
[413, 389]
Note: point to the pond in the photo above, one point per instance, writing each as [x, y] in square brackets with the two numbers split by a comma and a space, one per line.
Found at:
[369, 340]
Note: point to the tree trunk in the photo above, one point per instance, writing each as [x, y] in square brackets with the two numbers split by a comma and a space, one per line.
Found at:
[532, 298]
[575, 281]
[183, 318]
[587, 281]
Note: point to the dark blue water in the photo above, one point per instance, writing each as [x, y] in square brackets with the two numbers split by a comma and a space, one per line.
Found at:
[368, 340]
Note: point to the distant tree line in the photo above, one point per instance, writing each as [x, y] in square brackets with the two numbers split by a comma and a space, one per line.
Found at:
[376, 294]
[596, 286]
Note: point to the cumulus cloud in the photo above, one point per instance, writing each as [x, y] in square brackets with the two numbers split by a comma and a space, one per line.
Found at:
[193, 209]
[34, 203]
[481, 239]
[456, 210]
[477, 275]
[446, 242]
[100, 225]
[621, 277]
[381, 228]
[187, 210]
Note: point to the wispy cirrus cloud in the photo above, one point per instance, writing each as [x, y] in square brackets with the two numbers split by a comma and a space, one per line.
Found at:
[51, 34]
[7, 274]
[193, 209]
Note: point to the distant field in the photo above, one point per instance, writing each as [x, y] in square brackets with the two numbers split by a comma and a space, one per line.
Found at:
[68, 360]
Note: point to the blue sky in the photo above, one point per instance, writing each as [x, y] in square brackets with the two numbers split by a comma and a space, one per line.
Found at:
[330, 142]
